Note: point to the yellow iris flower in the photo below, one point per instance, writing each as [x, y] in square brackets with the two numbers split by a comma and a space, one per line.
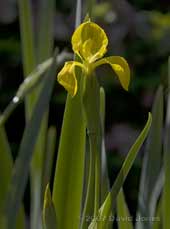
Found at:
[89, 42]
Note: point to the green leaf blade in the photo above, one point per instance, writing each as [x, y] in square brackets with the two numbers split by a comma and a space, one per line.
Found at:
[6, 164]
[21, 167]
[166, 188]
[151, 162]
[70, 166]
[107, 206]
[49, 215]
[124, 218]
[71, 158]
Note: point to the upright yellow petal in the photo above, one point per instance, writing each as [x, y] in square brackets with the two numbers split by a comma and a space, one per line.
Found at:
[89, 41]
[66, 77]
[120, 66]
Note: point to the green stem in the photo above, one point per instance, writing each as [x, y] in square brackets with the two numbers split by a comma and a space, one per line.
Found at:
[90, 4]
[90, 188]
[97, 189]
[91, 102]
[94, 151]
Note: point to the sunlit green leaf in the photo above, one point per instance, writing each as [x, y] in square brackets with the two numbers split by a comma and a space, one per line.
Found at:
[107, 206]
[70, 162]
[123, 215]
[21, 167]
[70, 165]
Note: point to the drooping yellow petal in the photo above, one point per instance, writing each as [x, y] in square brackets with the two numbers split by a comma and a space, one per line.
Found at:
[67, 78]
[89, 41]
[121, 68]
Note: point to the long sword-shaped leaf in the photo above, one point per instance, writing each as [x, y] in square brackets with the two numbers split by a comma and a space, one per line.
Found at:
[152, 161]
[105, 186]
[49, 156]
[21, 167]
[31, 81]
[27, 38]
[156, 193]
[6, 163]
[107, 206]
[158, 222]
[166, 190]
[124, 218]
[27, 35]
[68, 182]
[45, 36]
[29, 63]
[89, 195]
[49, 215]
[69, 174]
[44, 45]
[104, 170]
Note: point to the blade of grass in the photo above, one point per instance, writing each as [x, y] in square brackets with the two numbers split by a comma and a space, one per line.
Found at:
[70, 162]
[49, 215]
[26, 87]
[158, 222]
[125, 220]
[36, 174]
[27, 38]
[152, 161]
[21, 167]
[166, 189]
[45, 45]
[28, 52]
[29, 63]
[45, 40]
[109, 203]
[49, 156]
[88, 193]
[105, 186]
[104, 171]
[6, 164]
[156, 193]
[31, 81]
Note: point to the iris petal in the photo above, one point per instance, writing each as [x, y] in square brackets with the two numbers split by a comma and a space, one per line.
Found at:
[67, 78]
[89, 41]
[121, 68]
